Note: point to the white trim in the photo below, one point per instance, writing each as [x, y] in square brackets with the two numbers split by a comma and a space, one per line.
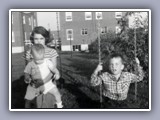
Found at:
[13, 36]
[85, 31]
[84, 47]
[150, 59]
[117, 29]
[24, 19]
[71, 10]
[10, 43]
[68, 14]
[29, 20]
[88, 14]
[25, 35]
[118, 14]
[67, 35]
[101, 15]
[17, 49]
[66, 48]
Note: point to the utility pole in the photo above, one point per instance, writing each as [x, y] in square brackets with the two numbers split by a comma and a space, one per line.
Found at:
[71, 45]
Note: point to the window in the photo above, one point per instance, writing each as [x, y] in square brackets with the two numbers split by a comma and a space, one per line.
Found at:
[118, 14]
[118, 29]
[98, 15]
[24, 20]
[88, 15]
[84, 31]
[34, 22]
[68, 16]
[13, 37]
[76, 47]
[104, 30]
[25, 35]
[29, 20]
[69, 33]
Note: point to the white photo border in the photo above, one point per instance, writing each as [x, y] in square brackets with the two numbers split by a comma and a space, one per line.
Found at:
[75, 10]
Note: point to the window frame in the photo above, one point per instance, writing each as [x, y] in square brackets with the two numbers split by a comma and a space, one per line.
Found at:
[13, 37]
[67, 35]
[86, 14]
[101, 16]
[105, 29]
[84, 31]
[118, 15]
[118, 30]
[68, 14]
[24, 19]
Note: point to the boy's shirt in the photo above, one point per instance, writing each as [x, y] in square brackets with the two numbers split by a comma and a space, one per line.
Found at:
[116, 89]
[42, 73]
[39, 72]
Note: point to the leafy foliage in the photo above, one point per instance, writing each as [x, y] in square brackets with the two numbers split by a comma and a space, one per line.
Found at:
[129, 42]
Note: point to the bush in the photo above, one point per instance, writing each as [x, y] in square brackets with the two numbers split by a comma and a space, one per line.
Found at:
[125, 44]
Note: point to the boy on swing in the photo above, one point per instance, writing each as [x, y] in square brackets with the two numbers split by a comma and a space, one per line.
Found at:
[116, 83]
[37, 73]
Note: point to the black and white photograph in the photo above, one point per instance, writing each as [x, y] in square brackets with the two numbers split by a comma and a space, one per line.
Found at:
[79, 59]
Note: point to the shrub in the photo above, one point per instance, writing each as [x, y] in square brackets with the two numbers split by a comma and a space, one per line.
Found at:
[125, 44]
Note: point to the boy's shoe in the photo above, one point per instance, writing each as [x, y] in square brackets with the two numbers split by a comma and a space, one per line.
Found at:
[59, 105]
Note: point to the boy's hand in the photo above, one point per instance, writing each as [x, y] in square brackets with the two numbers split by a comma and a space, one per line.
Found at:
[37, 83]
[28, 55]
[99, 68]
[137, 60]
[56, 76]
[27, 80]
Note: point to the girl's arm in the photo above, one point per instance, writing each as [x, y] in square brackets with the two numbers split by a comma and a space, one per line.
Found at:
[53, 68]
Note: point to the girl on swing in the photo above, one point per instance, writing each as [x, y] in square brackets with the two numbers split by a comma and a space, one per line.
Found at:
[41, 36]
[116, 82]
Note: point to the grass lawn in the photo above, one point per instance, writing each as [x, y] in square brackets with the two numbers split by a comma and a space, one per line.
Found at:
[74, 84]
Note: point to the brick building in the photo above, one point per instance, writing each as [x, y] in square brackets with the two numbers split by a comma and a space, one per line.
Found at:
[79, 29]
[21, 27]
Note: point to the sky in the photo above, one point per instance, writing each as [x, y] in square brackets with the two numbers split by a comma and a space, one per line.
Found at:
[47, 20]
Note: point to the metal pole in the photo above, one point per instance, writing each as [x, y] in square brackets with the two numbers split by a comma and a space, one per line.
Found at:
[25, 50]
[135, 43]
[59, 44]
[99, 57]
[71, 46]
[135, 50]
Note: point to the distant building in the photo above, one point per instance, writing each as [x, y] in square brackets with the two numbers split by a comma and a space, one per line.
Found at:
[79, 29]
[21, 26]
[55, 40]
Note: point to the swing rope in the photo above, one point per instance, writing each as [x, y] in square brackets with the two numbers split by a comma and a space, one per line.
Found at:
[135, 53]
[135, 49]
[99, 60]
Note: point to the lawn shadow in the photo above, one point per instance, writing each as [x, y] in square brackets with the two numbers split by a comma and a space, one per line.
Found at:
[81, 99]
[83, 67]
[18, 90]
[78, 98]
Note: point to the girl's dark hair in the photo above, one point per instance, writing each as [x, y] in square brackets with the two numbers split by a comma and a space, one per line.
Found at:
[40, 30]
